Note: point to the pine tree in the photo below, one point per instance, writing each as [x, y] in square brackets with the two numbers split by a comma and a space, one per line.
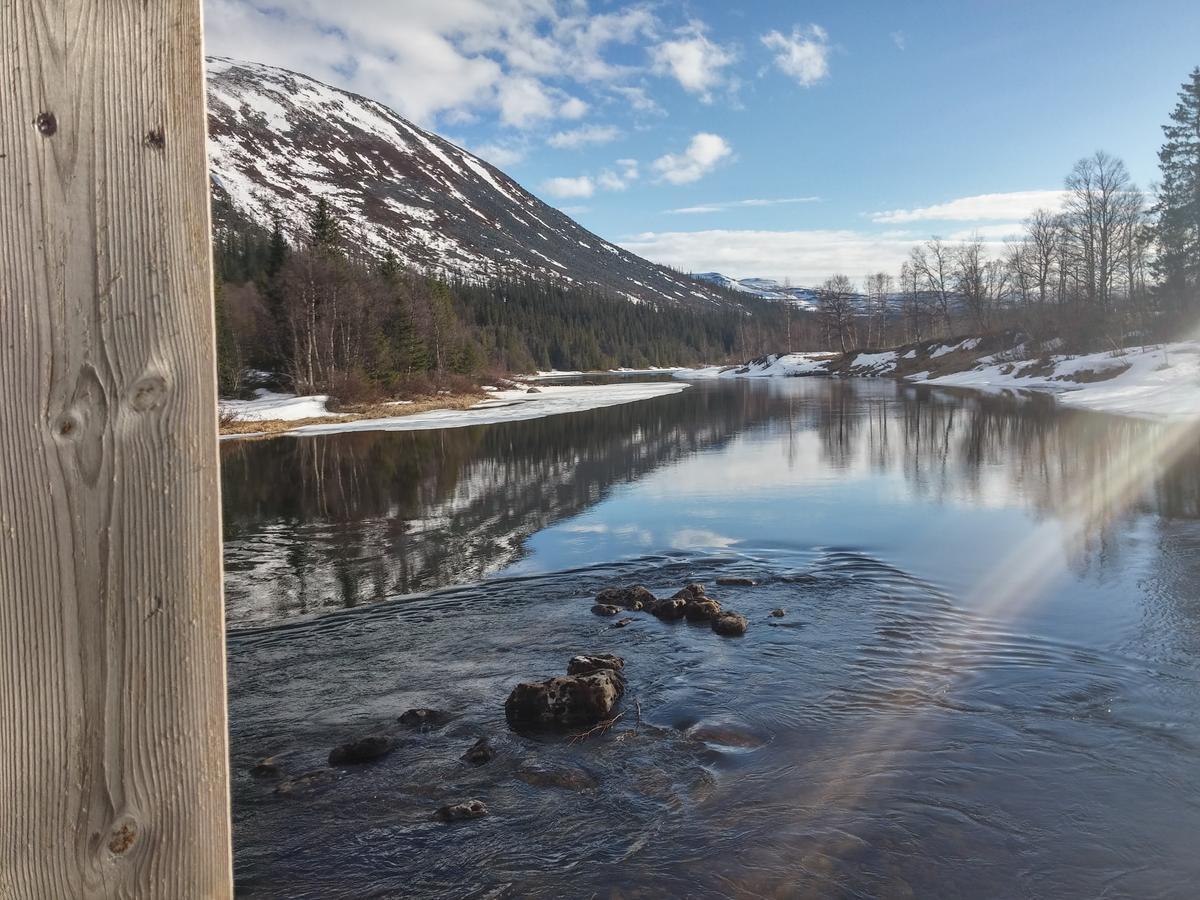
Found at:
[1178, 207]
[324, 232]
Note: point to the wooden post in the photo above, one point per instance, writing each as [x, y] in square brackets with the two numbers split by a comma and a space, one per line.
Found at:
[113, 746]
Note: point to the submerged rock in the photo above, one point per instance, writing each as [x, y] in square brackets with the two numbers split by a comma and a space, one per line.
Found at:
[587, 663]
[730, 624]
[424, 718]
[266, 768]
[364, 750]
[778, 613]
[566, 700]
[704, 610]
[621, 623]
[480, 753]
[567, 779]
[306, 781]
[604, 609]
[458, 812]
[736, 581]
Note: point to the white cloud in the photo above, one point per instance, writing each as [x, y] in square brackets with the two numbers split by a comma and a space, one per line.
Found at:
[583, 136]
[573, 108]
[524, 101]
[1011, 206]
[501, 153]
[694, 61]
[900, 40]
[439, 59]
[625, 174]
[702, 155]
[582, 186]
[737, 204]
[807, 257]
[637, 98]
[804, 55]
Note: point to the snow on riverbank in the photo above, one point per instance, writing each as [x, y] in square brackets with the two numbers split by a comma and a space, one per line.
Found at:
[781, 366]
[1159, 382]
[555, 373]
[501, 406]
[268, 406]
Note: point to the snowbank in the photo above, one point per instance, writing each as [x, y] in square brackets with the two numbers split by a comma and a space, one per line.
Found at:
[1161, 382]
[561, 373]
[501, 406]
[773, 366]
[269, 406]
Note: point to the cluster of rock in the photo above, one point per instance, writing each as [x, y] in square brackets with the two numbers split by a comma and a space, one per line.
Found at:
[690, 603]
[373, 747]
[586, 695]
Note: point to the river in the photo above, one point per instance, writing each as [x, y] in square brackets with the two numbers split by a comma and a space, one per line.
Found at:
[986, 683]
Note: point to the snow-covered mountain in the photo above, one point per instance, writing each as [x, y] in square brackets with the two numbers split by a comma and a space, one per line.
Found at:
[765, 288]
[278, 140]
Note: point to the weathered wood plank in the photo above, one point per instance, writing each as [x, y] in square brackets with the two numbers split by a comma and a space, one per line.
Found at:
[113, 747]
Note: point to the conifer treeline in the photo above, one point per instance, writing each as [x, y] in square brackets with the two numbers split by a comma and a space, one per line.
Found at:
[334, 319]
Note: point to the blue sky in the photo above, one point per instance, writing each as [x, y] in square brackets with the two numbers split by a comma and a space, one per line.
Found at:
[781, 139]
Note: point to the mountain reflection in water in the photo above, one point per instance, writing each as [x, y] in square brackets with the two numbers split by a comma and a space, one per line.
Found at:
[323, 523]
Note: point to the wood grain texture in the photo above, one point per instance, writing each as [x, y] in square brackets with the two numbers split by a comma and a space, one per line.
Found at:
[113, 747]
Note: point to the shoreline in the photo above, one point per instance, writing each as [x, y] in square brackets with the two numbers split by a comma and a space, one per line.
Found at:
[281, 415]
[1156, 382]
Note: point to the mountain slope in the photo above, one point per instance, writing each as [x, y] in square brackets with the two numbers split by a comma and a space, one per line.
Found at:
[278, 140]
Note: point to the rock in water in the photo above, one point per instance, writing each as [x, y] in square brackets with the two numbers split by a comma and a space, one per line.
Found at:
[670, 610]
[587, 663]
[603, 609]
[778, 613]
[730, 624]
[480, 752]
[364, 750]
[566, 700]
[621, 623]
[691, 592]
[458, 812]
[635, 598]
[704, 610]
[733, 581]
[533, 390]
[424, 718]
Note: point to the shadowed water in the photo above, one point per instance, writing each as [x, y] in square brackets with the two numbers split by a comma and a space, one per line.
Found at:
[986, 684]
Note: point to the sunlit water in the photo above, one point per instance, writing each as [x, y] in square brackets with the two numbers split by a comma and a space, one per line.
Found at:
[987, 683]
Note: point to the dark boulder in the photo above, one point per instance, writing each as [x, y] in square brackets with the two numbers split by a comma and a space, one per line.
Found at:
[459, 812]
[670, 610]
[603, 609]
[586, 664]
[480, 753]
[730, 624]
[364, 750]
[424, 718]
[635, 598]
[533, 390]
[704, 610]
[691, 592]
[566, 700]
[733, 581]
[778, 613]
[621, 623]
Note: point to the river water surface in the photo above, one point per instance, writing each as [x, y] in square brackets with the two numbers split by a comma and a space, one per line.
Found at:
[986, 683]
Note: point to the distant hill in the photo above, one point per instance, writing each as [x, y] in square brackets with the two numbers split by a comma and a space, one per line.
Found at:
[278, 140]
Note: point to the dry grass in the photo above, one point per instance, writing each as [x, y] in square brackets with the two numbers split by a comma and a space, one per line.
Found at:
[355, 413]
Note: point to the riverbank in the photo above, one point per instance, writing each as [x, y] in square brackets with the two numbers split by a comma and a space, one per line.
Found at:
[272, 415]
[1160, 381]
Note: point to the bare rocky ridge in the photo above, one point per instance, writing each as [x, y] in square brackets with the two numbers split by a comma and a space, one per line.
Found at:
[279, 139]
